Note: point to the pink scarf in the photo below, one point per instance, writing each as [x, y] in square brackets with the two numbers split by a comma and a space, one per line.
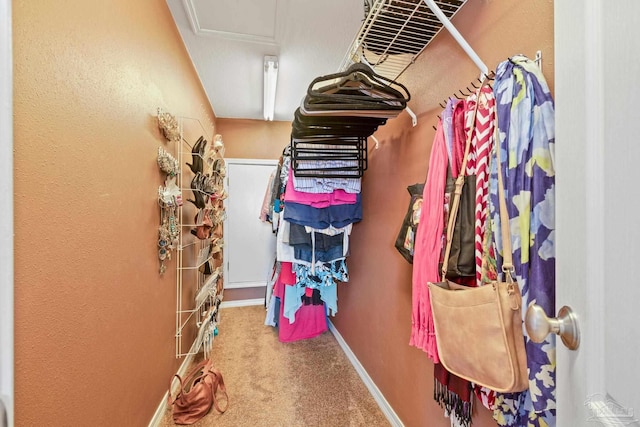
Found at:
[428, 245]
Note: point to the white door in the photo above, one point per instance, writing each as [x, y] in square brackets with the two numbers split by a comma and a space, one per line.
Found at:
[6, 217]
[597, 48]
[249, 243]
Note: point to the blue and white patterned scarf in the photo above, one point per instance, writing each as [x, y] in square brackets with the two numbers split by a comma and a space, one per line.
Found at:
[525, 111]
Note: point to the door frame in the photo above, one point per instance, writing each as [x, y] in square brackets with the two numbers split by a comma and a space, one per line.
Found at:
[572, 57]
[225, 263]
[583, 237]
[6, 216]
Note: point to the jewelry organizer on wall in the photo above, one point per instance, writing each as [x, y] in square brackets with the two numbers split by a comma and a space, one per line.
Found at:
[192, 214]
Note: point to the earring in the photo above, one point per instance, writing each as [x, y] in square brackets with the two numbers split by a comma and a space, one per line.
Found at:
[167, 163]
[168, 126]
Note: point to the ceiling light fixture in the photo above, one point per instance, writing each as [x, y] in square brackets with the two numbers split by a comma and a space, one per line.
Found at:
[270, 80]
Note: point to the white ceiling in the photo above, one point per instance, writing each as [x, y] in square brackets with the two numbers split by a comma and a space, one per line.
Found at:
[228, 39]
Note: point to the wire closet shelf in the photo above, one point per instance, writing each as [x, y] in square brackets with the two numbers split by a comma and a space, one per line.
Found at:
[395, 32]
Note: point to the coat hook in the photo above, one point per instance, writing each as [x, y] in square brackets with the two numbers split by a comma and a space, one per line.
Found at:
[474, 85]
[440, 104]
[434, 128]
[538, 59]
[490, 76]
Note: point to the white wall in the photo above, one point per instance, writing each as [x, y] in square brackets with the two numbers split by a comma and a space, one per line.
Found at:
[6, 213]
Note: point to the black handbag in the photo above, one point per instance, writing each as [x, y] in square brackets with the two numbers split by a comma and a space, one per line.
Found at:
[462, 255]
[407, 234]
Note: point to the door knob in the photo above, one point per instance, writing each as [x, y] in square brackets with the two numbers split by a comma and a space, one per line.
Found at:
[566, 325]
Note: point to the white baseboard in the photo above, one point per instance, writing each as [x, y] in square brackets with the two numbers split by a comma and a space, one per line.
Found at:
[182, 371]
[242, 303]
[242, 285]
[366, 379]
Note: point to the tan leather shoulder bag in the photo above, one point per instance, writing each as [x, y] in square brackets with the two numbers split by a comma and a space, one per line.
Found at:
[479, 330]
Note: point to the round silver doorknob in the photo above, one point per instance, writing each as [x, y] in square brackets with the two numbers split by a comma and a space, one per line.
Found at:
[566, 325]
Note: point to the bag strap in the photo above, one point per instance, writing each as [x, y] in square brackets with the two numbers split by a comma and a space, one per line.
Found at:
[455, 203]
[172, 401]
[219, 384]
[186, 379]
[507, 256]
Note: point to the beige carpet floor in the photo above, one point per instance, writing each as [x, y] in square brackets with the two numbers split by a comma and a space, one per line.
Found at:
[304, 383]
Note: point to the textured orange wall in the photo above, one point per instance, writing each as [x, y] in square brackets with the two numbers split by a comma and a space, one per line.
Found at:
[94, 321]
[375, 306]
[254, 139]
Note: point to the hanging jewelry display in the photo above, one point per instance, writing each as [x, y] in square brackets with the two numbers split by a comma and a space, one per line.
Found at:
[166, 237]
[169, 198]
[204, 176]
[168, 126]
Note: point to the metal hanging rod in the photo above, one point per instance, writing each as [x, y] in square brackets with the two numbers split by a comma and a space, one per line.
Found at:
[457, 36]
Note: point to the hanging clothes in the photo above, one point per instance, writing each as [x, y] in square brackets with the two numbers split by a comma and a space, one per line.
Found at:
[310, 320]
[321, 176]
[482, 144]
[447, 123]
[317, 200]
[428, 246]
[312, 244]
[331, 216]
[266, 207]
[471, 120]
[525, 112]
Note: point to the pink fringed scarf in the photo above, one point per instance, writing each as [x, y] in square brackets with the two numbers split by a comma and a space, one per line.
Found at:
[428, 244]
